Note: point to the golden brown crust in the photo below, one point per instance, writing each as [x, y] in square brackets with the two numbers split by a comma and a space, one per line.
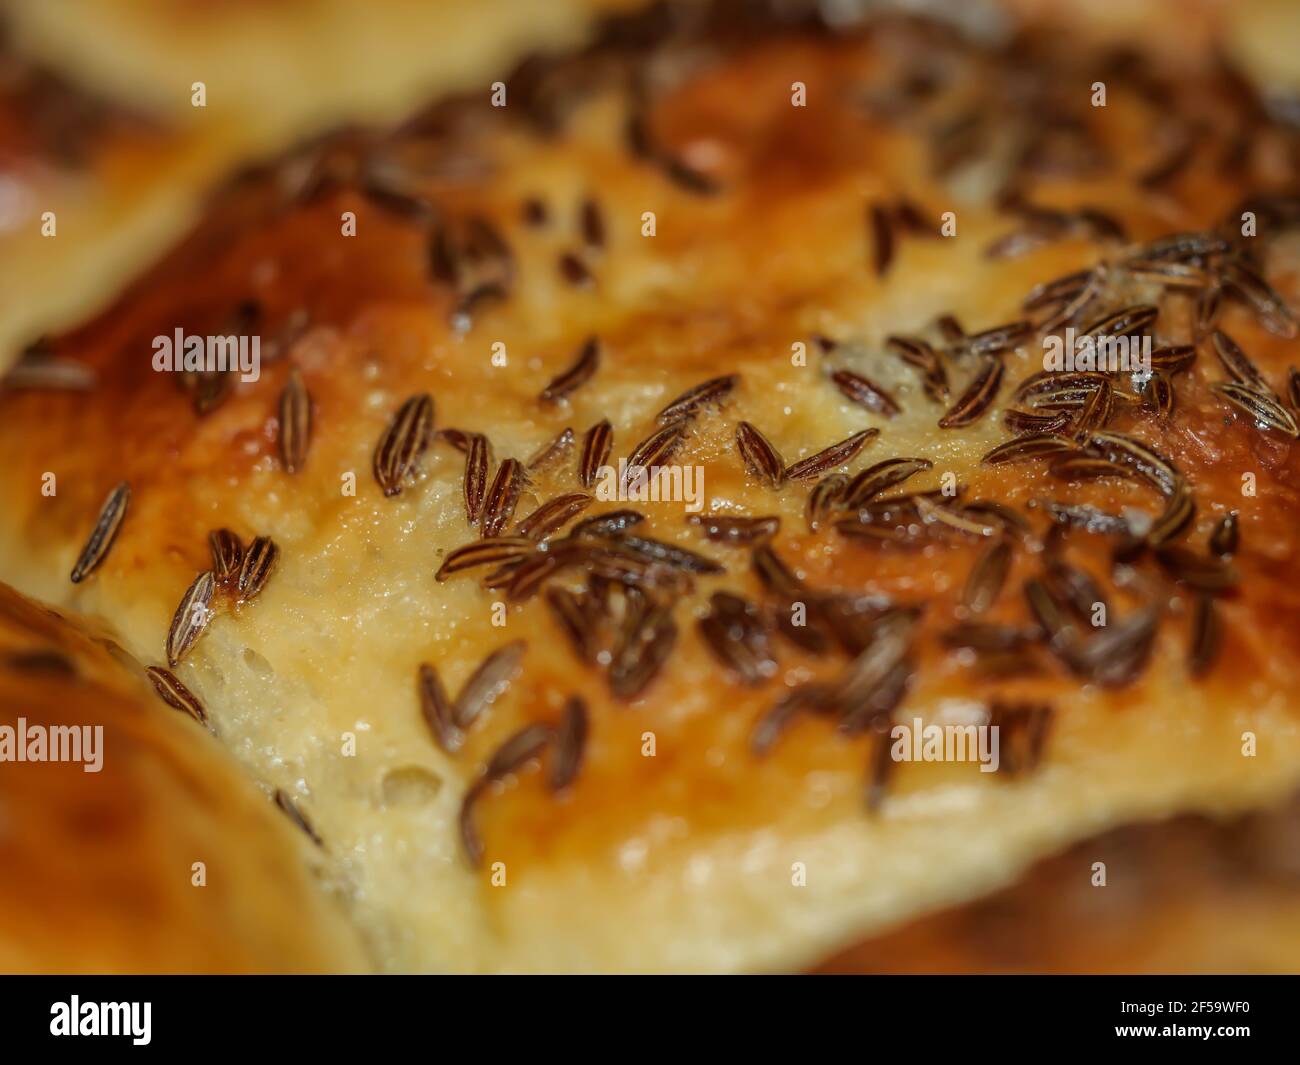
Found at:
[690, 858]
[99, 870]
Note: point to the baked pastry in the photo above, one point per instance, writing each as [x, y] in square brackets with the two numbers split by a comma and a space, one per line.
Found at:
[106, 160]
[129, 840]
[823, 268]
[288, 67]
[93, 193]
[1167, 914]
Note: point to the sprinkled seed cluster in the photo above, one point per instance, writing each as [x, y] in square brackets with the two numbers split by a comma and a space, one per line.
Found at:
[567, 742]
[295, 423]
[237, 576]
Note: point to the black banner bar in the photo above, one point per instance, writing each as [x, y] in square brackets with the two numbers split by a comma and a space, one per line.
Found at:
[330, 1015]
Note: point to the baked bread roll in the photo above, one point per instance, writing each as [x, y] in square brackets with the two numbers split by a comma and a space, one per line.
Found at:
[144, 849]
[534, 736]
[107, 160]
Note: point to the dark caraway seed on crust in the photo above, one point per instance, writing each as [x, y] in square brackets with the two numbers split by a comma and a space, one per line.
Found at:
[1264, 411]
[105, 532]
[436, 709]
[1078, 467]
[290, 809]
[295, 423]
[44, 661]
[989, 636]
[592, 223]
[469, 837]
[570, 744]
[597, 443]
[227, 554]
[1073, 587]
[551, 515]
[728, 529]
[192, 616]
[1178, 513]
[655, 450]
[1000, 338]
[1239, 365]
[488, 683]
[882, 238]
[574, 270]
[402, 443]
[581, 620]
[502, 497]
[1025, 728]
[828, 458]
[611, 523]
[583, 369]
[759, 455]
[491, 551]
[669, 554]
[1117, 655]
[987, 577]
[977, 398]
[689, 403]
[1173, 358]
[1030, 447]
[1087, 517]
[1270, 309]
[457, 438]
[1160, 397]
[824, 497]
[642, 651]
[551, 451]
[1223, 540]
[1127, 321]
[255, 570]
[478, 456]
[1118, 447]
[879, 478]
[772, 724]
[865, 393]
[43, 372]
[734, 631]
[774, 574]
[1206, 573]
[175, 694]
